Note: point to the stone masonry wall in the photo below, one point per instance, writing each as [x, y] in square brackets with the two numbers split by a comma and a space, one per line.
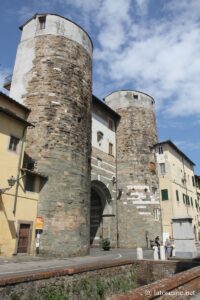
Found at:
[97, 281]
[136, 169]
[59, 95]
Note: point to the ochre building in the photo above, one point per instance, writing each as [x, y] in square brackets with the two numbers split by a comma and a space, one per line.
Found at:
[19, 186]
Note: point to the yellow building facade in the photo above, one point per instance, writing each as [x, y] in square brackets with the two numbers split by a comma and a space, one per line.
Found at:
[19, 186]
[178, 191]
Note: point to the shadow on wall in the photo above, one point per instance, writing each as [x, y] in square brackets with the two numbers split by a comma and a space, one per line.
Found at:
[186, 264]
[11, 223]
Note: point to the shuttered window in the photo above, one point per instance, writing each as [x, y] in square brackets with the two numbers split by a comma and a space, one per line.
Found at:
[164, 195]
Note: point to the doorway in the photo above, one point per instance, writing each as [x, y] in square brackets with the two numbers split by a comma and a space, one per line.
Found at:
[24, 238]
[100, 201]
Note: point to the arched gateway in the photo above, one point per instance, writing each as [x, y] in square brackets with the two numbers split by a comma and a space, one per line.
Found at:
[100, 206]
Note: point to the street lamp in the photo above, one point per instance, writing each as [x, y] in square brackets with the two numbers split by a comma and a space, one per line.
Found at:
[11, 183]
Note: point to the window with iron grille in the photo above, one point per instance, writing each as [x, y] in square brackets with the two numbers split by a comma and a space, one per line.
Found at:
[30, 183]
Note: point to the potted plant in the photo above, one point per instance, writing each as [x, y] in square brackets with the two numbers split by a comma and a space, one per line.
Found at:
[106, 244]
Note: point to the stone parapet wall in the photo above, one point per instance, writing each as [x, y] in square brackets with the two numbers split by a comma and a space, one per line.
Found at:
[180, 286]
[99, 280]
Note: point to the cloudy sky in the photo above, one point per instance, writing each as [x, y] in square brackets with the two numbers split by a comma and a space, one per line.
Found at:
[147, 45]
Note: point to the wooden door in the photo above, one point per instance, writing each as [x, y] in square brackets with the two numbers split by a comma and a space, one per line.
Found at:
[24, 237]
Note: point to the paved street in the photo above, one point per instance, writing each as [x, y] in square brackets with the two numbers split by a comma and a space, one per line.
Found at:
[24, 264]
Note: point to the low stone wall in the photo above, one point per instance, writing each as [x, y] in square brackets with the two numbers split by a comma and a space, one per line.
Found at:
[180, 286]
[92, 281]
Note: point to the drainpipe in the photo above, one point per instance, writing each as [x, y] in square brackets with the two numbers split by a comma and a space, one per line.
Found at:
[117, 221]
[18, 171]
[186, 189]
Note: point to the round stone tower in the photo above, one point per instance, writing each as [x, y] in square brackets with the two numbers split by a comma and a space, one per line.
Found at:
[137, 180]
[52, 76]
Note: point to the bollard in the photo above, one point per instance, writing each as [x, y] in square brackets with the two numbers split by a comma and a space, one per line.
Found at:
[162, 253]
[155, 253]
[139, 253]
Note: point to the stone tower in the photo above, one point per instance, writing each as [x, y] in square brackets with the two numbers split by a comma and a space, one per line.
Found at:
[137, 180]
[52, 76]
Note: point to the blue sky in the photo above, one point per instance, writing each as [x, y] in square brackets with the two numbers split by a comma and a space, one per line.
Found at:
[147, 45]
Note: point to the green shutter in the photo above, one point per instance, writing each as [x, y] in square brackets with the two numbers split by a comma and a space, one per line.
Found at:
[164, 195]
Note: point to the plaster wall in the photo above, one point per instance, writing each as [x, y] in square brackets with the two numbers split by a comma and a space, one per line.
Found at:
[26, 208]
[177, 168]
[99, 124]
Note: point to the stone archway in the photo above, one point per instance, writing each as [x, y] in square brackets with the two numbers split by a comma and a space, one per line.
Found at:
[100, 205]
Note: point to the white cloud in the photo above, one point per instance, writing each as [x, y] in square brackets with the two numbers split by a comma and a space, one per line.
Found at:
[187, 145]
[142, 7]
[134, 49]
[161, 57]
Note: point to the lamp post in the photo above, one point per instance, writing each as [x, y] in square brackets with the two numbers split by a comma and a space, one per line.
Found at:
[11, 183]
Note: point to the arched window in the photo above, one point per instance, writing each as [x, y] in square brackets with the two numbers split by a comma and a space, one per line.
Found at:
[99, 136]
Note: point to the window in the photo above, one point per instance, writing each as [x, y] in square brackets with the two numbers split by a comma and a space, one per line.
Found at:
[193, 181]
[187, 200]
[156, 214]
[164, 195]
[160, 150]
[162, 168]
[110, 150]
[135, 96]
[191, 201]
[99, 136]
[154, 190]
[177, 196]
[110, 124]
[30, 183]
[99, 161]
[14, 141]
[42, 22]
[197, 206]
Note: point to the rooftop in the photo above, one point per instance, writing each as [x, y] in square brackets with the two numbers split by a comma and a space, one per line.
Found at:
[46, 14]
[170, 143]
[97, 101]
[15, 102]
